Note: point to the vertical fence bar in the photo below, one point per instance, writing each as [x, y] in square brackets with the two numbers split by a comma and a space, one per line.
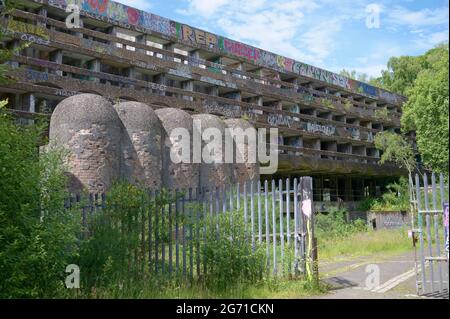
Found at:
[177, 232]
[245, 210]
[190, 239]
[259, 213]
[436, 229]
[230, 206]
[296, 230]
[170, 232]
[198, 201]
[217, 212]
[183, 233]
[302, 228]
[205, 223]
[224, 199]
[288, 217]
[266, 204]
[443, 198]
[274, 229]
[150, 230]
[413, 207]
[162, 231]
[252, 214]
[428, 224]
[420, 224]
[155, 228]
[280, 191]
[238, 197]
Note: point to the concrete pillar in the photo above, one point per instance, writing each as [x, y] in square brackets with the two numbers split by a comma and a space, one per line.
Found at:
[57, 56]
[15, 44]
[142, 40]
[188, 86]
[29, 105]
[43, 13]
[131, 74]
[113, 32]
[214, 90]
[169, 47]
[95, 67]
[79, 34]
[234, 95]
[161, 79]
[194, 55]
[279, 106]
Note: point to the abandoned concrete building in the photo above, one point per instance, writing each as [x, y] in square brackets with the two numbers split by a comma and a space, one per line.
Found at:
[327, 122]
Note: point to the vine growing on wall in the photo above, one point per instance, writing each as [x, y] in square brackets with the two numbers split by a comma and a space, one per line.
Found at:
[382, 114]
[327, 103]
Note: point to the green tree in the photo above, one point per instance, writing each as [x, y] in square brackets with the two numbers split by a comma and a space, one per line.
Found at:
[363, 77]
[396, 149]
[37, 234]
[427, 110]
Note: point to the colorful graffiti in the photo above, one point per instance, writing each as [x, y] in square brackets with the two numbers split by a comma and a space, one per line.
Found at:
[240, 49]
[198, 37]
[129, 17]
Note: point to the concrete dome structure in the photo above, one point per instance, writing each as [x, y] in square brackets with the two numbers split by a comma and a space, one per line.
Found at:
[215, 174]
[141, 144]
[89, 127]
[177, 175]
[244, 172]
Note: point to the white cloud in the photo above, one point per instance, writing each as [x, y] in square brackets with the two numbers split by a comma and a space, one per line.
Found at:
[413, 19]
[427, 41]
[203, 7]
[311, 30]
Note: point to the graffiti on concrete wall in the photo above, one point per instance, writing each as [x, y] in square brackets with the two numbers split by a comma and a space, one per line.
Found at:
[318, 128]
[36, 76]
[213, 107]
[197, 37]
[240, 49]
[279, 120]
[354, 133]
[129, 17]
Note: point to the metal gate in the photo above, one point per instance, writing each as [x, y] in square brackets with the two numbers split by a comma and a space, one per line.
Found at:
[429, 206]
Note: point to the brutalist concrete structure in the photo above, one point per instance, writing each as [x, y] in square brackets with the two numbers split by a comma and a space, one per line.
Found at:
[141, 144]
[90, 129]
[178, 172]
[219, 173]
[327, 122]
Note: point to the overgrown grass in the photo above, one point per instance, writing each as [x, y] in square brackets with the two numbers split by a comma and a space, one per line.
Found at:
[365, 243]
[148, 289]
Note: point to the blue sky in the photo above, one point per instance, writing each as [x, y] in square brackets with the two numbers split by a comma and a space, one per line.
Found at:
[330, 34]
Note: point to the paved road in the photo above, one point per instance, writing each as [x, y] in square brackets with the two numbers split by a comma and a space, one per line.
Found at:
[357, 278]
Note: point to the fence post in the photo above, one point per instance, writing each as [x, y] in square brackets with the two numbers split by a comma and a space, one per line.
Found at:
[308, 212]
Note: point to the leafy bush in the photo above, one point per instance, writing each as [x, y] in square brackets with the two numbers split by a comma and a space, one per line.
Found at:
[396, 198]
[334, 225]
[113, 252]
[230, 258]
[37, 233]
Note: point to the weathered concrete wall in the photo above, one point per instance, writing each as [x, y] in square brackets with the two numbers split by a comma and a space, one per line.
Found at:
[141, 144]
[177, 175]
[244, 172]
[89, 127]
[214, 174]
[388, 220]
